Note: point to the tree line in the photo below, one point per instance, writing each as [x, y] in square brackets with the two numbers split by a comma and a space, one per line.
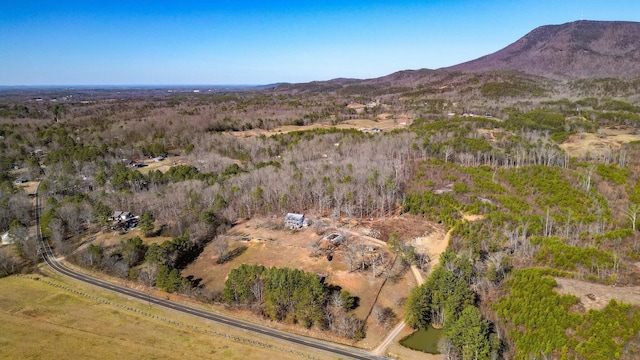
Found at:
[447, 300]
[542, 322]
[294, 296]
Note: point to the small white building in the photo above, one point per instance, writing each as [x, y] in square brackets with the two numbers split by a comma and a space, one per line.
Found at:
[120, 216]
[6, 238]
[294, 221]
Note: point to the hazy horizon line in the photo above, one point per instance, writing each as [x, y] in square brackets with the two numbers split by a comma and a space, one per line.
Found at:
[100, 86]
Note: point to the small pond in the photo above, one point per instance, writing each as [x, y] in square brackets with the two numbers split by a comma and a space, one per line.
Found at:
[423, 340]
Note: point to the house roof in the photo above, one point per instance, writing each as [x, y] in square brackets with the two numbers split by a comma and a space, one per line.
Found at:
[294, 216]
[7, 238]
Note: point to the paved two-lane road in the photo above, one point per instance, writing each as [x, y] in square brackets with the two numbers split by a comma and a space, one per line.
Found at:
[51, 261]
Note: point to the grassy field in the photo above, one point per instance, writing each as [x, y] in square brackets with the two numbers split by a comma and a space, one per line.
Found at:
[55, 318]
[579, 145]
[385, 122]
[113, 238]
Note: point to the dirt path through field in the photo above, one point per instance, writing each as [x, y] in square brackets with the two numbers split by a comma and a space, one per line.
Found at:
[368, 238]
[437, 247]
[380, 350]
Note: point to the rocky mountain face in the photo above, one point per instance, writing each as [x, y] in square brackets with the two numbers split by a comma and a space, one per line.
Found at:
[581, 49]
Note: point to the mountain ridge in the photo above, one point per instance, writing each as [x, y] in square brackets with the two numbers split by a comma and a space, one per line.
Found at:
[579, 49]
[549, 54]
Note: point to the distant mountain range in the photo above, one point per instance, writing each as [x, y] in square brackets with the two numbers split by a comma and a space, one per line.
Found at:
[581, 49]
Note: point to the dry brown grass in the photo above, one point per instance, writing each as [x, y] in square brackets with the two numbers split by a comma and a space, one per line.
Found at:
[392, 295]
[385, 122]
[607, 140]
[597, 296]
[274, 246]
[40, 320]
[113, 238]
[161, 166]
[29, 187]
[281, 248]
[268, 247]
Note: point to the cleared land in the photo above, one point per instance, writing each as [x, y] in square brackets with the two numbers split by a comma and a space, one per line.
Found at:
[597, 296]
[44, 319]
[113, 238]
[581, 145]
[269, 244]
[384, 122]
[594, 145]
[162, 165]
[29, 187]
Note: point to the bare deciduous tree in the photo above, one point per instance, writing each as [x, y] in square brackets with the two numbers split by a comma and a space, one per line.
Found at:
[8, 264]
[257, 289]
[57, 229]
[148, 274]
[422, 259]
[71, 215]
[446, 348]
[447, 152]
[385, 317]
[26, 245]
[220, 246]
[632, 214]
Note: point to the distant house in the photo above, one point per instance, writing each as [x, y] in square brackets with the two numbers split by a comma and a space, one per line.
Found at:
[294, 221]
[123, 221]
[372, 130]
[120, 216]
[115, 216]
[7, 238]
[373, 104]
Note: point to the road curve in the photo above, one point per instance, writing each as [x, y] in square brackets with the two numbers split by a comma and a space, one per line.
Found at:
[53, 263]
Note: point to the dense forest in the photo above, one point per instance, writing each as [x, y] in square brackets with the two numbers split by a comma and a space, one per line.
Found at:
[543, 212]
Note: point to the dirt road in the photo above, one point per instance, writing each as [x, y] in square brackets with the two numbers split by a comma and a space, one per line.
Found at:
[365, 237]
[437, 247]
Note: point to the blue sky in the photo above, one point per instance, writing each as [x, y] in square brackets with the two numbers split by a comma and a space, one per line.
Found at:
[261, 42]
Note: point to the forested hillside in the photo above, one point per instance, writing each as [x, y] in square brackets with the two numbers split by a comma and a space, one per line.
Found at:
[553, 184]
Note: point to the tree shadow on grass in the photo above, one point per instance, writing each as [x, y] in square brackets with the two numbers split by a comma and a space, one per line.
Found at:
[231, 255]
